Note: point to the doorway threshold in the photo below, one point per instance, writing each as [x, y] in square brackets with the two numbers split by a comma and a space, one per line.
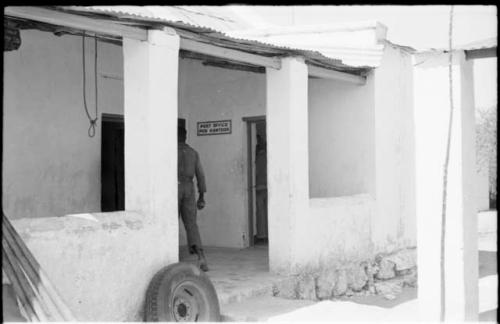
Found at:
[237, 274]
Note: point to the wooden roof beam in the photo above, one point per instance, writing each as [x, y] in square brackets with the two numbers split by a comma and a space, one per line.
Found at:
[76, 21]
[481, 53]
[323, 73]
[230, 54]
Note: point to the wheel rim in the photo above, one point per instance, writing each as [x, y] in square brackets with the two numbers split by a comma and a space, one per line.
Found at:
[188, 303]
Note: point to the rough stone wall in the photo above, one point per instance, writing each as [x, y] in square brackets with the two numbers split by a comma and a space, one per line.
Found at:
[386, 274]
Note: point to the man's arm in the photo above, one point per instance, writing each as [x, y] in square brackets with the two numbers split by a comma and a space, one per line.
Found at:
[200, 180]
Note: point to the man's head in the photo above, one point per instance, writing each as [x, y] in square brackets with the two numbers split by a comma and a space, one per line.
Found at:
[181, 135]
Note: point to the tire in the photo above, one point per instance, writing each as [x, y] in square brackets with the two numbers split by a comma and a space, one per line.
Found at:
[181, 292]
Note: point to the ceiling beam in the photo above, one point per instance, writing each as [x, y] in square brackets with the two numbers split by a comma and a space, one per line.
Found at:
[230, 54]
[235, 66]
[335, 75]
[76, 21]
[481, 53]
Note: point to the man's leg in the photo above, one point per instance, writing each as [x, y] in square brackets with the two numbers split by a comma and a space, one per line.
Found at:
[261, 212]
[180, 198]
[259, 204]
[188, 214]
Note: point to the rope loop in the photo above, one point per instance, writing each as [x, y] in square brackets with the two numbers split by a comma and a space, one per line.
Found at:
[92, 121]
[92, 127]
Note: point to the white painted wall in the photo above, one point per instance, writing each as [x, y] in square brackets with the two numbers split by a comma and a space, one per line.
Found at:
[100, 264]
[337, 230]
[51, 167]
[341, 145]
[375, 123]
[394, 221]
[206, 94]
[210, 93]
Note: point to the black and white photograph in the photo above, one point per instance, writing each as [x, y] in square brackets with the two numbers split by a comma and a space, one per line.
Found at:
[250, 163]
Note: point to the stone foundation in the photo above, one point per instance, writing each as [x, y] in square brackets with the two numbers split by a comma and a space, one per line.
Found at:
[385, 275]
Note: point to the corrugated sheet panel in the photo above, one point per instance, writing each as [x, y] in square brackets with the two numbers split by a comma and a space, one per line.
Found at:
[212, 22]
[201, 17]
[355, 44]
[481, 44]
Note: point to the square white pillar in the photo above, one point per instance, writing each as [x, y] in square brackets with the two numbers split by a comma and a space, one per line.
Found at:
[432, 106]
[288, 170]
[393, 224]
[150, 87]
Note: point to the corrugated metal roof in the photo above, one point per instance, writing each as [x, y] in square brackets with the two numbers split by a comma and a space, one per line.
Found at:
[317, 28]
[202, 17]
[212, 22]
[341, 46]
[355, 44]
[481, 44]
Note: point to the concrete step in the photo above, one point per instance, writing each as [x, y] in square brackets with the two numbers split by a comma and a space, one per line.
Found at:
[260, 309]
[229, 293]
[238, 274]
[240, 294]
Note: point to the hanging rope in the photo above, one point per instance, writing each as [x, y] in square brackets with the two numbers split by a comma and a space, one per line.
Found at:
[445, 171]
[93, 121]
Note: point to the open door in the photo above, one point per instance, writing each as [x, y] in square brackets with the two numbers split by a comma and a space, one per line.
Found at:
[260, 163]
[112, 163]
[257, 180]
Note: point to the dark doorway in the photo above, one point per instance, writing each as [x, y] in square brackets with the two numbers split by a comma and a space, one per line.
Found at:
[260, 182]
[112, 163]
[257, 180]
[181, 122]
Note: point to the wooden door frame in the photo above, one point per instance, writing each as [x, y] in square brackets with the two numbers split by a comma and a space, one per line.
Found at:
[116, 118]
[250, 181]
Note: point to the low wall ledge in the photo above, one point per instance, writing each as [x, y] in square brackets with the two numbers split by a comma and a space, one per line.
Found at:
[342, 200]
[81, 223]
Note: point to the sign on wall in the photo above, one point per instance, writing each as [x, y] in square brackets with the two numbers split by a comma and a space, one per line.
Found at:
[218, 127]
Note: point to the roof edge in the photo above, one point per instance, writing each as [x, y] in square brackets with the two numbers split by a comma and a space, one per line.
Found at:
[379, 28]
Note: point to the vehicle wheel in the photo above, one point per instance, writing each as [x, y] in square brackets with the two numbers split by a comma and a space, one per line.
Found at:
[181, 293]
